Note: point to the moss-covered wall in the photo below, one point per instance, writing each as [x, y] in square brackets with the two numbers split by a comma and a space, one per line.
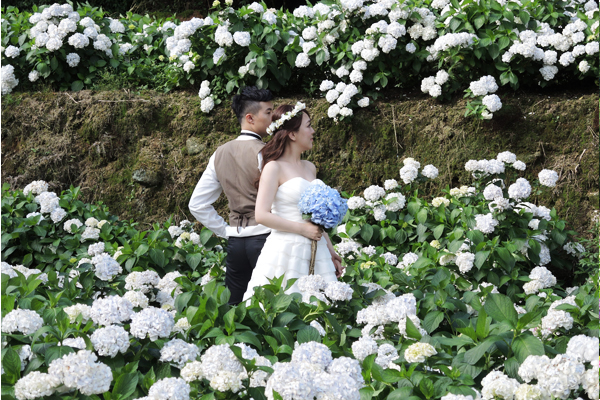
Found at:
[109, 141]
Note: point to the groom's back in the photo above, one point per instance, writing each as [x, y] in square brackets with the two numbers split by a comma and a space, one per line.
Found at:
[236, 166]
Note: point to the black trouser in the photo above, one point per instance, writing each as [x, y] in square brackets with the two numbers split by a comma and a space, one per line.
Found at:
[242, 253]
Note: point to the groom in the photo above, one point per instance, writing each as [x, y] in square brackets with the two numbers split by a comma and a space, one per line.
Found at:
[234, 168]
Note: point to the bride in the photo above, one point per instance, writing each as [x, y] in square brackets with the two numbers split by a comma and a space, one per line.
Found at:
[284, 177]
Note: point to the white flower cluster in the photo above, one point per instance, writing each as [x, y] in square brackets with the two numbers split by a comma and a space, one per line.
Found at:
[34, 385]
[111, 310]
[106, 267]
[152, 322]
[78, 309]
[220, 367]
[178, 352]
[81, 371]
[374, 193]
[548, 177]
[584, 348]
[432, 85]
[559, 376]
[541, 278]
[356, 202]
[169, 389]
[24, 321]
[9, 82]
[519, 190]
[389, 309]
[486, 223]
[207, 103]
[110, 340]
[315, 285]
[556, 319]
[496, 385]
[35, 187]
[313, 373]
[142, 281]
[417, 352]
[574, 249]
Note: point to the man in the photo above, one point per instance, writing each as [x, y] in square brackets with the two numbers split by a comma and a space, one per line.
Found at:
[234, 168]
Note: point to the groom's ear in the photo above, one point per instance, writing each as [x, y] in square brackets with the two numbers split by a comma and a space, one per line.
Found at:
[249, 118]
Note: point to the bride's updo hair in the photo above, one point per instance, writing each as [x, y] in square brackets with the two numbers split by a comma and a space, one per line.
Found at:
[280, 138]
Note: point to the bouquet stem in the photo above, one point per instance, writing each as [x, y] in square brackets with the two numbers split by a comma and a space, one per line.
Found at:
[313, 253]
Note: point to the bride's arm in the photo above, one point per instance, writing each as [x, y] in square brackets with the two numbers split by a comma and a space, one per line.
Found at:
[267, 189]
[337, 260]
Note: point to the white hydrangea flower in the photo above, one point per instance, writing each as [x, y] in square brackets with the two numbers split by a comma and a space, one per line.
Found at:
[356, 202]
[395, 202]
[521, 189]
[408, 173]
[486, 223]
[178, 352]
[152, 322]
[374, 193]
[78, 309]
[110, 340]
[35, 385]
[170, 389]
[438, 201]
[137, 299]
[548, 177]
[111, 310]
[89, 376]
[24, 321]
[464, 261]
[417, 352]
[430, 171]
[364, 102]
[73, 59]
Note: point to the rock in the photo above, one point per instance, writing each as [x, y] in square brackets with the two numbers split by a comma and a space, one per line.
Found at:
[147, 178]
[194, 146]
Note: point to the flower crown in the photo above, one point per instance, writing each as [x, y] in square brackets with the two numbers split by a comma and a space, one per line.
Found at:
[275, 125]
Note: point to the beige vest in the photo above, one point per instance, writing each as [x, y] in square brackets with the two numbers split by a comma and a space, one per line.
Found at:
[236, 165]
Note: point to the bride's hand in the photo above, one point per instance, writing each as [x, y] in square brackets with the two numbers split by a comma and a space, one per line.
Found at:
[311, 231]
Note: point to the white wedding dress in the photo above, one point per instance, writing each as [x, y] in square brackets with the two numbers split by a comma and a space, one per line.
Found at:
[289, 253]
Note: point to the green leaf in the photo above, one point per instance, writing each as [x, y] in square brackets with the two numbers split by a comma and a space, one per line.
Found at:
[503, 42]
[501, 308]
[249, 337]
[320, 57]
[308, 334]
[483, 326]
[438, 231]
[55, 352]
[473, 355]
[205, 235]
[432, 320]
[526, 345]
[494, 50]
[100, 63]
[475, 236]
[422, 216]
[261, 62]
[125, 385]
[141, 250]
[281, 302]
[193, 260]
[400, 394]
[480, 258]
[411, 330]
[114, 63]
[53, 63]
[479, 21]
[76, 86]
[524, 16]
[426, 387]
[413, 208]
[366, 232]
[400, 236]
[158, 257]
[505, 258]
[11, 362]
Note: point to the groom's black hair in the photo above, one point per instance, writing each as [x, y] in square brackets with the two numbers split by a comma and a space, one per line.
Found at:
[248, 101]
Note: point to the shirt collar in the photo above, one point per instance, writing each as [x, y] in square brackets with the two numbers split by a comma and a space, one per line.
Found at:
[251, 134]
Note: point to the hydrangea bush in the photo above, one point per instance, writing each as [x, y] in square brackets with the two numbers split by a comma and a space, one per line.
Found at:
[449, 298]
[347, 50]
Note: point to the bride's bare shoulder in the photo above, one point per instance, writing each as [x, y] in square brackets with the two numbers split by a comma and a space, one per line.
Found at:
[310, 167]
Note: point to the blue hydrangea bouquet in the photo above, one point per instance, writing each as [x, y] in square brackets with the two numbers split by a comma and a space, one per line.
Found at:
[323, 206]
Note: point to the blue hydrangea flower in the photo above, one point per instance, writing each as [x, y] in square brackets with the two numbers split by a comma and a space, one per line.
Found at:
[323, 204]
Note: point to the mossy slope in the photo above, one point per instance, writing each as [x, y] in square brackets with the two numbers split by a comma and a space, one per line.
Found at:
[101, 142]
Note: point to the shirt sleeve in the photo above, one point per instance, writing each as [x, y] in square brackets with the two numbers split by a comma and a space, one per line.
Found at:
[207, 191]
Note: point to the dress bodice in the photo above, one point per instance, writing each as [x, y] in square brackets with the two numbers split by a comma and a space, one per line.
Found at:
[287, 197]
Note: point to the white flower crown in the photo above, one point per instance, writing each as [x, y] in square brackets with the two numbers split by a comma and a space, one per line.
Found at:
[275, 125]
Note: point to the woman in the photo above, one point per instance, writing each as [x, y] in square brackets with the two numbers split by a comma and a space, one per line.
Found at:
[283, 179]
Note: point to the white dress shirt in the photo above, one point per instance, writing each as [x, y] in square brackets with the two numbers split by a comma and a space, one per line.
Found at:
[208, 190]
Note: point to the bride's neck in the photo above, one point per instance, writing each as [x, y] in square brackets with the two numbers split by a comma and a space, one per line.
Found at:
[292, 154]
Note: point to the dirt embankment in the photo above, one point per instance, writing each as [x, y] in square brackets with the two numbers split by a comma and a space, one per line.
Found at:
[143, 154]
